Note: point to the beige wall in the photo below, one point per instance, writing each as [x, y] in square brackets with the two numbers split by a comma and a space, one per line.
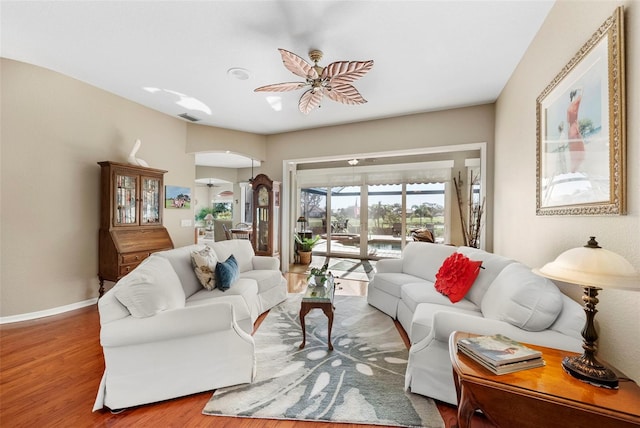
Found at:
[54, 130]
[536, 240]
[443, 128]
[201, 138]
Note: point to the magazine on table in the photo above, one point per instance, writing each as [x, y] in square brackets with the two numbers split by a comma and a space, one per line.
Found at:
[497, 350]
[505, 368]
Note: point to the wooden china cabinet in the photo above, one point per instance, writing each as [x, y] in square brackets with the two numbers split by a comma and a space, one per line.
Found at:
[266, 219]
[131, 202]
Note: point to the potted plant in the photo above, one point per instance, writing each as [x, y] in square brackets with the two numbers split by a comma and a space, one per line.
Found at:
[319, 275]
[305, 245]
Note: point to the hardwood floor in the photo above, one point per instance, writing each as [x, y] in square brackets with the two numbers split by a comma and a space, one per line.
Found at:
[51, 369]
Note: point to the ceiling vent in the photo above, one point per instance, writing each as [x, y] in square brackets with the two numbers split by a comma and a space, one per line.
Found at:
[189, 117]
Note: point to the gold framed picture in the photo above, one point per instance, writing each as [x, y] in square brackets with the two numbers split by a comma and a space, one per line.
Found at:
[580, 118]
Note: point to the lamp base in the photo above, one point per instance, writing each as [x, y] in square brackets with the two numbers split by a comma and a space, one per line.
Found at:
[591, 371]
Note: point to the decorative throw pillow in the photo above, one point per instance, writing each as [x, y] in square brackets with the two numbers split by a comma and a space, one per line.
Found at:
[141, 296]
[204, 263]
[456, 276]
[227, 273]
[150, 288]
[522, 298]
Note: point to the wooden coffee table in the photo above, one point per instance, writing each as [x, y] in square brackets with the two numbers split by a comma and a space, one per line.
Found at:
[541, 397]
[320, 297]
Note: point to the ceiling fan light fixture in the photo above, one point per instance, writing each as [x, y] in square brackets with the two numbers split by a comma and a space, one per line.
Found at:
[334, 80]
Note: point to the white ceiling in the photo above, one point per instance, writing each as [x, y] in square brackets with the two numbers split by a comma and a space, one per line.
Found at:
[428, 55]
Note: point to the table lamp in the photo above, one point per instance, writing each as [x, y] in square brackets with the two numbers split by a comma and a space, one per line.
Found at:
[209, 220]
[594, 268]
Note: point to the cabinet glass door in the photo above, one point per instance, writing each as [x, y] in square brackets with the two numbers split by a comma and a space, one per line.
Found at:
[150, 207]
[125, 206]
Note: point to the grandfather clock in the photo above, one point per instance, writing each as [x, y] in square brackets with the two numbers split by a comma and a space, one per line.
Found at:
[266, 220]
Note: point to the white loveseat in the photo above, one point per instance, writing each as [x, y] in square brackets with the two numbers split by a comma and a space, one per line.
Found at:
[505, 298]
[183, 338]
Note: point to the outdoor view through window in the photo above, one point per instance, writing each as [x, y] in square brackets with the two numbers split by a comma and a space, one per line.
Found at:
[373, 221]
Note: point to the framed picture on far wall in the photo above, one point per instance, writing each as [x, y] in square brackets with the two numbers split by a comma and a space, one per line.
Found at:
[177, 197]
[580, 117]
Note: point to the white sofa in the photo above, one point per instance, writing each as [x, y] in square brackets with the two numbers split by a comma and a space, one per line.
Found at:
[183, 338]
[505, 298]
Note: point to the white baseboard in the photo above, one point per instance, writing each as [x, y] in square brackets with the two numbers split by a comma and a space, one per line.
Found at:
[48, 312]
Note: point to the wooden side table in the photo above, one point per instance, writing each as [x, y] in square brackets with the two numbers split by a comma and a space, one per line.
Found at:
[318, 297]
[541, 397]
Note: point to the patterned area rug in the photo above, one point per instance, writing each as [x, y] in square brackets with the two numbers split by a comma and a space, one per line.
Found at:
[360, 270]
[360, 381]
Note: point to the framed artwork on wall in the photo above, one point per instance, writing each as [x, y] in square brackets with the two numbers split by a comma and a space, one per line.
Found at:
[177, 197]
[580, 119]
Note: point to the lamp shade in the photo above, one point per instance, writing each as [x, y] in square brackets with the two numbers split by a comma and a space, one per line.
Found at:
[592, 266]
[208, 217]
[301, 219]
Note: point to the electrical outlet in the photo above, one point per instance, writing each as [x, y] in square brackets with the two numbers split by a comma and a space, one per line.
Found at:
[185, 223]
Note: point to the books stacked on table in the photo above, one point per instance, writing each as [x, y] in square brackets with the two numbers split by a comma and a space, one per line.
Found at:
[499, 354]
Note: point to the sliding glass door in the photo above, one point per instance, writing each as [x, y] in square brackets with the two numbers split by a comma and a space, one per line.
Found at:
[426, 203]
[394, 214]
[385, 220]
[344, 227]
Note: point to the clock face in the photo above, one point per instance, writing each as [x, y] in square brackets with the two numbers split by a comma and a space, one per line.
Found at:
[263, 196]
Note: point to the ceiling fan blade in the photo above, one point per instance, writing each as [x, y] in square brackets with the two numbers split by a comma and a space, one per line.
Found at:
[281, 87]
[345, 94]
[297, 65]
[346, 71]
[310, 100]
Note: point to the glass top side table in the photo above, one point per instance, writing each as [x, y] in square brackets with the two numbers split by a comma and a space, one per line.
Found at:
[320, 297]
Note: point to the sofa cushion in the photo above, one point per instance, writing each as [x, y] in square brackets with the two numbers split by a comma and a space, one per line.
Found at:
[423, 259]
[456, 276]
[522, 298]
[241, 249]
[227, 273]
[413, 294]
[266, 279]
[141, 297]
[240, 306]
[151, 287]
[391, 283]
[244, 287]
[180, 259]
[492, 265]
[204, 263]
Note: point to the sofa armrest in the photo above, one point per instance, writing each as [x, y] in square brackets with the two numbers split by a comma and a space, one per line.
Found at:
[265, 263]
[389, 266]
[183, 322]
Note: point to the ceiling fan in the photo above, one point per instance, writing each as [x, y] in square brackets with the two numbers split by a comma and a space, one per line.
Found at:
[333, 80]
